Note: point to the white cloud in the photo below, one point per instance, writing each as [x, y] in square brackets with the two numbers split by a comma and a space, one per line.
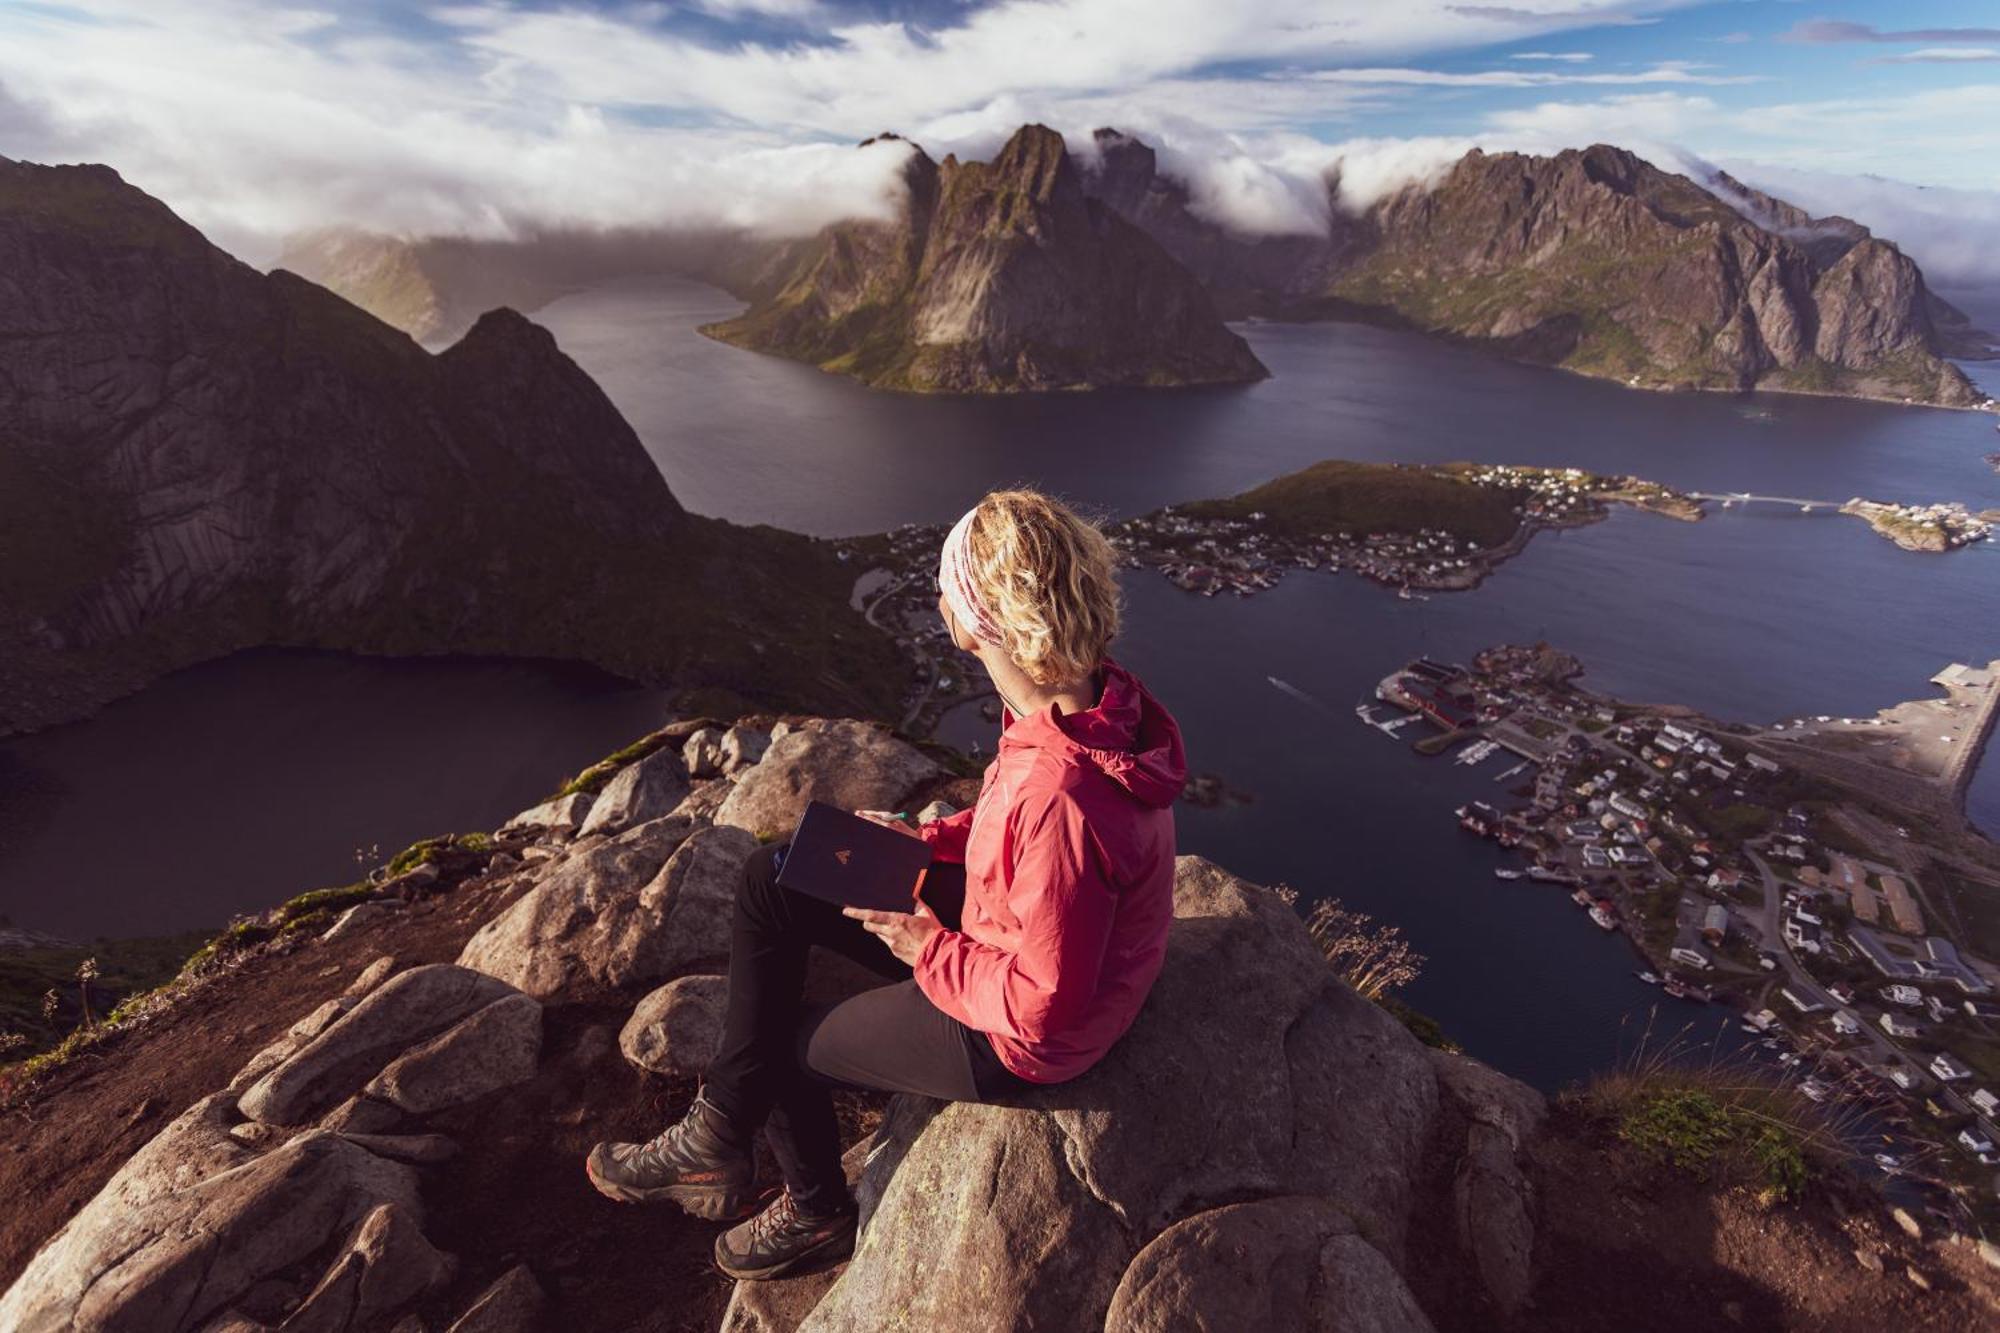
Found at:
[1666, 71]
[1575, 57]
[1943, 55]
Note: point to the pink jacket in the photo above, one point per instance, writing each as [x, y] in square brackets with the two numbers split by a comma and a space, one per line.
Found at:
[1069, 882]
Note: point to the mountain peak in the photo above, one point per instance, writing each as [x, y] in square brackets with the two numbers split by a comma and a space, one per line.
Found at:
[1037, 157]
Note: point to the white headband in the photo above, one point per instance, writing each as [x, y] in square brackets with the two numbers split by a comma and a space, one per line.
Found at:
[955, 580]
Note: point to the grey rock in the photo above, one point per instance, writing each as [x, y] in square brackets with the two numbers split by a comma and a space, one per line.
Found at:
[195, 1220]
[1282, 1265]
[562, 814]
[363, 1115]
[320, 1019]
[386, 1265]
[575, 931]
[371, 976]
[251, 1134]
[686, 911]
[1251, 1072]
[935, 811]
[513, 1304]
[676, 1029]
[363, 914]
[492, 1049]
[1493, 1199]
[704, 798]
[643, 790]
[776, 1307]
[405, 1010]
[742, 747]
[702, 754]
[848, 764]
[416, 1149]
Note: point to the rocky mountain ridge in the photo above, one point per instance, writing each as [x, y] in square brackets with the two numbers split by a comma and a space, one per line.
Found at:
[196, 457]
[373, 1120]
[1594, 260]
[999, 276]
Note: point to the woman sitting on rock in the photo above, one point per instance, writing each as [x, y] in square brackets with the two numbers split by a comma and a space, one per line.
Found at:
[1042, 925]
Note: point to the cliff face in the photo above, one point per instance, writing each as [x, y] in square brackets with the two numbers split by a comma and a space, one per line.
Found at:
[195, 457]
[1594, 260]
[1000, 276]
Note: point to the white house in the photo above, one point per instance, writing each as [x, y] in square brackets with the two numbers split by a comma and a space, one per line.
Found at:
[1949, 1069]
[1975, 1141]
[1984, 1102]
[1846, 1024]
[1898, 1026]
[1907, 996]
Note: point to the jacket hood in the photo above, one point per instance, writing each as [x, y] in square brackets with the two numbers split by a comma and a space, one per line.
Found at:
[1129, 736]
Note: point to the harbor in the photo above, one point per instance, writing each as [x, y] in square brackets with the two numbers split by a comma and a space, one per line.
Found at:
[1742, 880]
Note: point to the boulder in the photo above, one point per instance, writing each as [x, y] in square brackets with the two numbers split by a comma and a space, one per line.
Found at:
[403, 1011]
[196, 1220]
[513, 1304]
[742, 747]
[676, 1029]
[690, 904]
[386, 1265]
[494, 1048]
[849, 764]
[935, 811]
[704, 798]
[572, 932]
[1280, 1265]
[560, 814]
[370, 977]
[703, 753]
[1251, 1073]
[643, 790]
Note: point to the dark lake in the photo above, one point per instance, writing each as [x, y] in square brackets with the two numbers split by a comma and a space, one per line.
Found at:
[239, 783]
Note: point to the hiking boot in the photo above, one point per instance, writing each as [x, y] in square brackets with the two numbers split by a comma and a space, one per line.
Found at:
[782, 1237]
[688, 1163]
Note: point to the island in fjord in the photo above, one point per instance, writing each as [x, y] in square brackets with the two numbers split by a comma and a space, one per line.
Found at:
[997, 276]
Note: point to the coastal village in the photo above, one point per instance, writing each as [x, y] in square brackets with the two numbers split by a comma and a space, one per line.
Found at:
[1220, 546]
[1743, 879]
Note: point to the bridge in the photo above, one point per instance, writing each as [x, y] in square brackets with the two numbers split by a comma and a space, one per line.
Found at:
[1745, 498]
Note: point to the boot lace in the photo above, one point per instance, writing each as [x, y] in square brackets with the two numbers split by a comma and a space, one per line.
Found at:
[775, 1220]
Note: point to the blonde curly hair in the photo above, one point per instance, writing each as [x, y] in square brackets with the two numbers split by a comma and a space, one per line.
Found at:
[1050, 580]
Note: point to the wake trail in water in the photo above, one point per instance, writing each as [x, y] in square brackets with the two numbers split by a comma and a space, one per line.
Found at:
[1302, 696]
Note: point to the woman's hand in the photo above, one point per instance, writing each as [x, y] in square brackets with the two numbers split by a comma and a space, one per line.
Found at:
[888, 820]
[906, 933]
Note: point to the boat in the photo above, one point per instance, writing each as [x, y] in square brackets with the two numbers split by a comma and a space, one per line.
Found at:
[1478, 817]
[1582, 898]
[1506, 874]
[1544, 875]
[1650, 978]
[1600, 914]
[1889, 1161]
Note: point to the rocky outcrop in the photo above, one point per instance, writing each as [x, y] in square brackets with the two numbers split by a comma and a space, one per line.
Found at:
[196, 457]
[1259, 1141]
[1594, 260]
[243, 1214]
[845, 763]
[999, 276]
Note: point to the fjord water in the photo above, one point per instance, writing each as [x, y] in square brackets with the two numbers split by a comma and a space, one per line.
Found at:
[275, 775]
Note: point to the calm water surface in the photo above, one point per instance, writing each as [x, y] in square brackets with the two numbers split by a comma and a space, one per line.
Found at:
[289, 761]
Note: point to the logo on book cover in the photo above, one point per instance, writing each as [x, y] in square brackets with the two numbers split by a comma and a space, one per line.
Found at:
[842, 855]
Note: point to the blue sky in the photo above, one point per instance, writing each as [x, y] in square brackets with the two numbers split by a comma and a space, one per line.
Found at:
[482, 116]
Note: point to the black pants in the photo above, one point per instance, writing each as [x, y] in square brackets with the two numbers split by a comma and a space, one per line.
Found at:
[778, 1061]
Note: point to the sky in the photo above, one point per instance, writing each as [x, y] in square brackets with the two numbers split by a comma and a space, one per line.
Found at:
[259, 120]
